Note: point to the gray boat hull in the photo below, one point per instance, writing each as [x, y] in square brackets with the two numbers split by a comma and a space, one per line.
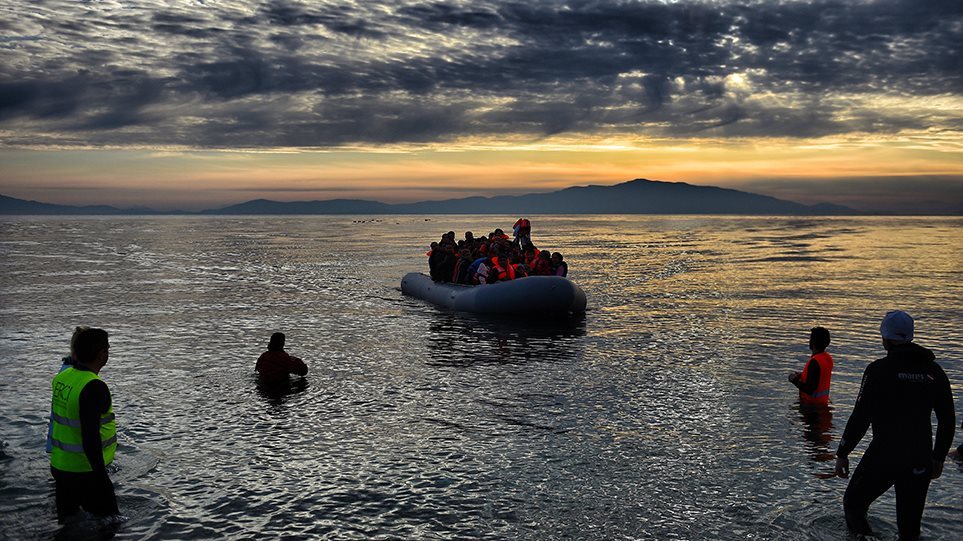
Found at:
[534, 295]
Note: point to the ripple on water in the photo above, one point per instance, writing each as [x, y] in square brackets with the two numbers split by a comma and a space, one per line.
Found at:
[663, 413]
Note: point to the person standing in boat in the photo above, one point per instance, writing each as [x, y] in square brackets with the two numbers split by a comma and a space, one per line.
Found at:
[447, 267]
[813, 382]
[432, 260]
[441, 261]
[468, 243]
[448, 242]
[523, 233]
[274, 365]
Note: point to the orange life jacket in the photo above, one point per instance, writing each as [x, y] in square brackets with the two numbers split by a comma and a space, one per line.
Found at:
[531, 261]
[505, 270]
[542, 267]
[821, 394]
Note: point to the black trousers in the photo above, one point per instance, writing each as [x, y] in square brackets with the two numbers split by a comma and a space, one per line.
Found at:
[872, 478]
[93, 493]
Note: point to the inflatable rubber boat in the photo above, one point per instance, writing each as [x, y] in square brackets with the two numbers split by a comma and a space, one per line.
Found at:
[533, 295]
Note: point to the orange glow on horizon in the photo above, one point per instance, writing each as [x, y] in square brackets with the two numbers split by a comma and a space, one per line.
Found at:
[194, 180]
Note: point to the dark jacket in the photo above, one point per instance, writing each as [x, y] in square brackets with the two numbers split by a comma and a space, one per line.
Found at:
[897, 397]
[276, 365]
[460, 274]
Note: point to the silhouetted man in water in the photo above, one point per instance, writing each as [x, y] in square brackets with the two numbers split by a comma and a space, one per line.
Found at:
[897, 396]
[275, 364]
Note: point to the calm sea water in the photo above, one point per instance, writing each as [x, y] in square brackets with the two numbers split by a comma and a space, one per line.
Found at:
[664, 413]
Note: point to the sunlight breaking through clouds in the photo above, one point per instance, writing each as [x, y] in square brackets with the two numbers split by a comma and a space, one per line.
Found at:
[285, 74]
[176, 103]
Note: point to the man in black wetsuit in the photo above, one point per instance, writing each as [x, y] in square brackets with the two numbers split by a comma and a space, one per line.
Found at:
[897, 396]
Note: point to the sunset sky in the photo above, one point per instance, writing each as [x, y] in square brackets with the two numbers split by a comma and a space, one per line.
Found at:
[198, 104]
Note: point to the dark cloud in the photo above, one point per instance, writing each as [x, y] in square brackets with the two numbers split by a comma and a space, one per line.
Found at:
[317, 74]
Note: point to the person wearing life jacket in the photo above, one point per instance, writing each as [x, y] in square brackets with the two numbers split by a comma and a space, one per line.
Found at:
[484, 245]
[522, 226]
[559, 266]
[523, 232]
[483, 273]
[529, 255]
[65, 363]
[498, 235]
[84, 436]
[504, 270]
[813, 382]
[542, 266]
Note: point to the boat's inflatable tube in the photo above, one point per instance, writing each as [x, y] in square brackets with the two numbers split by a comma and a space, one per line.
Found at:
[529, 296]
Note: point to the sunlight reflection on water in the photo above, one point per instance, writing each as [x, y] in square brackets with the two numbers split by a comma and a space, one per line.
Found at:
[663, 413]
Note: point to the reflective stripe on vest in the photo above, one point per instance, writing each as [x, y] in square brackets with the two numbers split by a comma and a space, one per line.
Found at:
[67, 451]
[75, 423]
[73, 448]
[821, 394]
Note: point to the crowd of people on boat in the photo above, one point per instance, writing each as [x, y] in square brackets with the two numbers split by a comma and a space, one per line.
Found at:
[492, 258]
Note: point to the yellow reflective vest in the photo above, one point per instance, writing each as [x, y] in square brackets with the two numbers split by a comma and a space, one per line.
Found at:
[67, 452]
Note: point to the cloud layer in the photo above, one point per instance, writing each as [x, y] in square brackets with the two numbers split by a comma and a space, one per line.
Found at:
[281, 73]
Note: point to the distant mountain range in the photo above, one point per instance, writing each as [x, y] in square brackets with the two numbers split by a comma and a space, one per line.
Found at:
[638, 196]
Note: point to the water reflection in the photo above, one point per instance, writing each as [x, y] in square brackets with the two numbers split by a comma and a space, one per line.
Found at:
[89, 529]
[662, 415]
[276, 393]
[817, 432]
[457, 339]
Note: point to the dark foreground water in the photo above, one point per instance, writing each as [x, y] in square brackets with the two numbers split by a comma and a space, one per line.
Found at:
[663, 413]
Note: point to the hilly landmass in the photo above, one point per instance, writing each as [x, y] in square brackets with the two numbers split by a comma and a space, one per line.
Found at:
[12, 205]
[640, 196]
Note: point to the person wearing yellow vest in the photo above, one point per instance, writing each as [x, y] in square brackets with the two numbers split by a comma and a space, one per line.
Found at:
[84, 435]
[813, 382]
